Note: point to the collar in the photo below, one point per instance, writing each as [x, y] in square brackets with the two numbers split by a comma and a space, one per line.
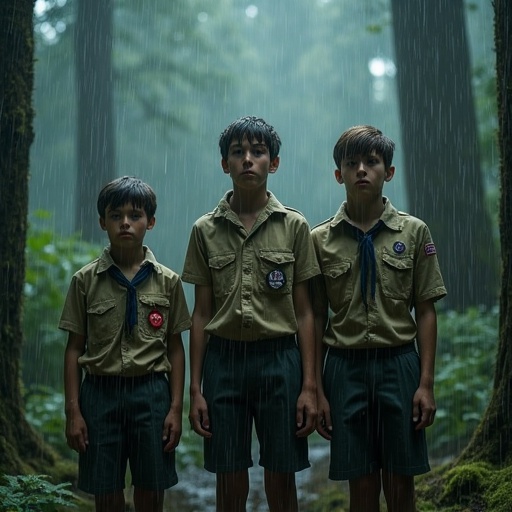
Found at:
[390, 216]
[224, 210]
[105, 260]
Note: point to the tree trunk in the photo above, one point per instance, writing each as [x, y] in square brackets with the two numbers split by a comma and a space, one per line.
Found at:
[440, 145]
[95, 144]
[492, 441]
[21, 450]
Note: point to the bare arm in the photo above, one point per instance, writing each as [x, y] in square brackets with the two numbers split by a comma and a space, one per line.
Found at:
[76, 429]
[306, 403]
[201, 316]
[173, 421]
[424, 406]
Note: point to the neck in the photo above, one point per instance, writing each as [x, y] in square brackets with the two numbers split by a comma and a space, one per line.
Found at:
[365, 215]
[247, 202]
[128, 260]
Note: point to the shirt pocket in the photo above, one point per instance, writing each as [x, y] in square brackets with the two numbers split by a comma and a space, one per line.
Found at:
[222, 268]
[153, 316]
[276, 271]
[339, 283]
[103, 322]
[397, 276]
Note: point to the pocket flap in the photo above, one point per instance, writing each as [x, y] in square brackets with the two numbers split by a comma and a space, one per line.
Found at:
[277, 257]
[398, 263]
[155, 300]
[221, 260]
[100, 308]
[334, 271]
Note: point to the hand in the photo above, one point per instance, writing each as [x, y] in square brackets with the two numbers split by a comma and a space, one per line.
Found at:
[172, 430]
[76, 432]
[423, 407]
[306, 413]
[198, 416]
[324, 422]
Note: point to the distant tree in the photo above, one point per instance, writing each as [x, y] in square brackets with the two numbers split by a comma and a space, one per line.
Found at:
[492, 441]
[21, 450]
[440, 145]
[95, 124]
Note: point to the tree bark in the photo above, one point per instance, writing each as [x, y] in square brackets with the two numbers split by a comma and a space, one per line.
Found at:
[95, 141]
[492, 441]
[440, 146]
[21, 450]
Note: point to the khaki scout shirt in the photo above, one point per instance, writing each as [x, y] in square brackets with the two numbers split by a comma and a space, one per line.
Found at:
[95, 308]
[251, 274]
[407, 273]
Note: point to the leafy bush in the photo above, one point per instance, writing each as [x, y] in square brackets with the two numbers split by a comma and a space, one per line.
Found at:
[466, 354]
[33, 493]
[44, 410]
[52, 259]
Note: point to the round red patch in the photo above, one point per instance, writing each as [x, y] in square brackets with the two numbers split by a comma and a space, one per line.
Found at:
[156, 319]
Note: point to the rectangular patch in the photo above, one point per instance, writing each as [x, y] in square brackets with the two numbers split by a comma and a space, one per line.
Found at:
[430, 249]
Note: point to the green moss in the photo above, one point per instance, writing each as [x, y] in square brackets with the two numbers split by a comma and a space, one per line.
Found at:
[462, 482]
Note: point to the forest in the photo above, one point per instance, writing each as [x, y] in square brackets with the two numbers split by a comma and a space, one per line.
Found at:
[95, 89]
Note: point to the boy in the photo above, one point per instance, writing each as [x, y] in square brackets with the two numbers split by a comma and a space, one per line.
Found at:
[250, 261]
[378, 264]
[125, 313]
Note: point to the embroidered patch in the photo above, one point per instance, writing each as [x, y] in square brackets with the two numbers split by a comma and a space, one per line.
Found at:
[156, 319]
[399, 247]
[276, 279]
[430, 249]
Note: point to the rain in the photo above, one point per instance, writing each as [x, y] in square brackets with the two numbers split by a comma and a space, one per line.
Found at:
[145, 89]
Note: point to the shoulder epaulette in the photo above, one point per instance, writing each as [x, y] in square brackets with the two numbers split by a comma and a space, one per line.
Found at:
[323, 222]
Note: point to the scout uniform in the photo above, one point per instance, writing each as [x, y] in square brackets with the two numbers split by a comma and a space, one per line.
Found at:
[370, 320]
[253, 323]
[124, 364]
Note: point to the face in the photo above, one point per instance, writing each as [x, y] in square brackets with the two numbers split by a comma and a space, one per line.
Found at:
[249, 163]
[126, 226]
[364, 174]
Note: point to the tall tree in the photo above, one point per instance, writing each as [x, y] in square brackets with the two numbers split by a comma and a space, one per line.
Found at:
[20, 448]
[95, 141]
[440, 145]
[492, 441]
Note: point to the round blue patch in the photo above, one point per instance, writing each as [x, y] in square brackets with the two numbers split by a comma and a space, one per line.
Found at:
[399, 247]
[276, 279]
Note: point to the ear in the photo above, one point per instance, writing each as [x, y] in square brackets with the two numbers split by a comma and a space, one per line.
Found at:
[274, 164]
[151, 223]
[103, 226]
[224, 165]
[337, 175]
[390, 172]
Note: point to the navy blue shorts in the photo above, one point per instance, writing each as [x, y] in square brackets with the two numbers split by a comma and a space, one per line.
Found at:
[370, 392]
[125, 418]
[260, 382]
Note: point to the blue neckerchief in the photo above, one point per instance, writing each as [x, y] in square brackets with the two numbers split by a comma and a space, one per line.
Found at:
[367, 253]
[131, 292]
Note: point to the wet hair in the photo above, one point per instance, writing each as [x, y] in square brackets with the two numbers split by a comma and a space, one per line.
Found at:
[127, 190]
[252, 128]
[363, 140]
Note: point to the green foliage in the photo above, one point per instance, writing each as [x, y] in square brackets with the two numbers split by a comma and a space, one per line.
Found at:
[33, 493]
[52, 259]
[464, 370]
[44, 410]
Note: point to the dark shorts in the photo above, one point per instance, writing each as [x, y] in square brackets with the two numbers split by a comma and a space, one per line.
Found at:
[256, 382]
[125, 418]
[370, 393]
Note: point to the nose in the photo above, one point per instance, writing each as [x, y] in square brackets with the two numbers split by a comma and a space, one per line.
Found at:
[125, 223]
[361, 168]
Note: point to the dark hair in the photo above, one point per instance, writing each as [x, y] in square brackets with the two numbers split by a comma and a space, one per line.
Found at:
[127, 190]
[252, 128]
[363, 140]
